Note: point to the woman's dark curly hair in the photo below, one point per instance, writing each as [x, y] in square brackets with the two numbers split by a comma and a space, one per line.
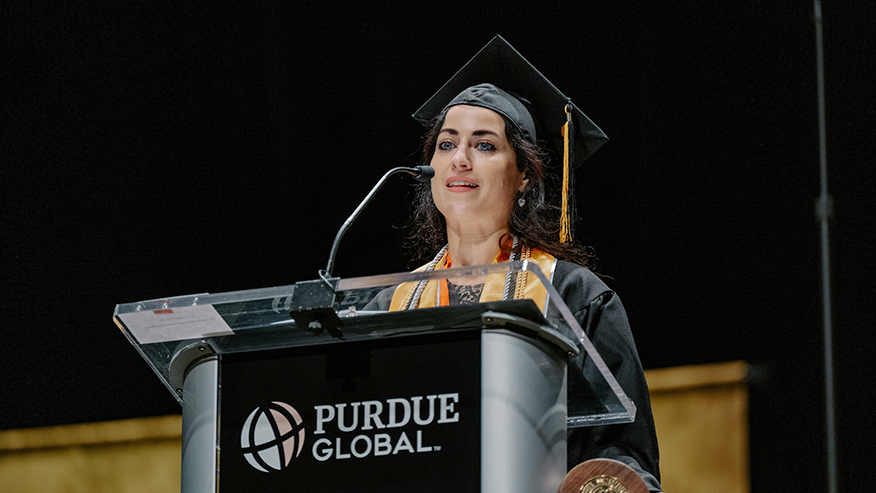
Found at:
[536, 224]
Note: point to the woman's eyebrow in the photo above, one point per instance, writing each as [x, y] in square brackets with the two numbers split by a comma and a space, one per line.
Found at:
[477, 133]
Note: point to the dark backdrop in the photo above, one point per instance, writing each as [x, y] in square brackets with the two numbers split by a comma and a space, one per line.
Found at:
[154, 151]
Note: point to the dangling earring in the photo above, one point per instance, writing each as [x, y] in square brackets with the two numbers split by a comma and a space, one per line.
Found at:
[521, 201]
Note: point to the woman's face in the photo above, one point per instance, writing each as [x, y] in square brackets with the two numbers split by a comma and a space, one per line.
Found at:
[476, 176]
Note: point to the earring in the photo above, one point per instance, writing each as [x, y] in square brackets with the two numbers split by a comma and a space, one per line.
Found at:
[521, 202]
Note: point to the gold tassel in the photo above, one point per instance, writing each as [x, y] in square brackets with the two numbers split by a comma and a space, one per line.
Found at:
[565, 222]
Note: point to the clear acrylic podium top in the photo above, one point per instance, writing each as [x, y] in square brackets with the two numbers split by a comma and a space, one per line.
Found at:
[257, 319]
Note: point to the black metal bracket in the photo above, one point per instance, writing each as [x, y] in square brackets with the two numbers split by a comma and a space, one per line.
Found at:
[313, 306]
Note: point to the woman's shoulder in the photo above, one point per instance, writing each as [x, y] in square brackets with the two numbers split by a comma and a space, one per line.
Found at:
[578, 284]
[571, 273]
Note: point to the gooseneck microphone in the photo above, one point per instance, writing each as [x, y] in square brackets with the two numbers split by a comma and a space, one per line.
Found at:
[420, 173]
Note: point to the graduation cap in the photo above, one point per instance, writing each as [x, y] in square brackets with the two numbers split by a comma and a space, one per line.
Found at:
[500, 79]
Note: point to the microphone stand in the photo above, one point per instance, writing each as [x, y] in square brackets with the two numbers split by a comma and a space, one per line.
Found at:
[824, 214]
[312, 303]
[421, 173]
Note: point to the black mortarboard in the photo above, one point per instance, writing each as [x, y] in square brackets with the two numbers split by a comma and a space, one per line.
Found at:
[499, 64]
[500, 79]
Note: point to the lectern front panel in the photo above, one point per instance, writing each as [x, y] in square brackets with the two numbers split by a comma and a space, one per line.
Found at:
[399, 414]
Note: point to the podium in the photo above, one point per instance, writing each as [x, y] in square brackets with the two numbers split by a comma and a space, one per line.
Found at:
[308, 387]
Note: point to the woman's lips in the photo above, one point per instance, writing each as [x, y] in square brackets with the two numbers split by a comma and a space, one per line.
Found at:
[461, 185]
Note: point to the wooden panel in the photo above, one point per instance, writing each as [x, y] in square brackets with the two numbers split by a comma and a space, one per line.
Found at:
[129, 456]
[701, 414]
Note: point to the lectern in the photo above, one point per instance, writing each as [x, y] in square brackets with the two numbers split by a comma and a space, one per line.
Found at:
[281, 393]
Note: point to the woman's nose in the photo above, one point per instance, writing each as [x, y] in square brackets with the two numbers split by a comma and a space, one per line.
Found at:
[460, 159]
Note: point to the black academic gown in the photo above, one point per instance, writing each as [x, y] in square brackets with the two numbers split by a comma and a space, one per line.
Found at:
[599, 311]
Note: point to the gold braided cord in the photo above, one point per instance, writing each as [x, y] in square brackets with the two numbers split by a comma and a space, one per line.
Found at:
[407, 299]
[526, 253]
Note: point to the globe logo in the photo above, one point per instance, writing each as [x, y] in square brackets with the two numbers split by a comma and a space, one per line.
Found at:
[271, 436]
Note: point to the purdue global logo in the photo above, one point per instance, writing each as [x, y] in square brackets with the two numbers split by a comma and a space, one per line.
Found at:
[272, 435]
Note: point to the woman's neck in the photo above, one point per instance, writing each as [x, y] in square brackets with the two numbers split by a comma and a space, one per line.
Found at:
[473, 248]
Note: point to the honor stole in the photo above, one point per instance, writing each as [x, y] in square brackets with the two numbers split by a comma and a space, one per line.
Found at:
[436, 292]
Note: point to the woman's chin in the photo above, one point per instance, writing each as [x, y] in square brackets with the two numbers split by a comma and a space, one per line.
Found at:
[474, 219]
[462, 212]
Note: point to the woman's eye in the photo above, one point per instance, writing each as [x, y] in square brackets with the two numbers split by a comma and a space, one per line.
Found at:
[486, 146]
[445, 146]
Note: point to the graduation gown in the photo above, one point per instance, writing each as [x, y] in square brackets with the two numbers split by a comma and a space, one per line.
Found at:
[600, 312]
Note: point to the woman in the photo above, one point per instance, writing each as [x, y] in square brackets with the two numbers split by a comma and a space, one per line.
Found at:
[487, 203]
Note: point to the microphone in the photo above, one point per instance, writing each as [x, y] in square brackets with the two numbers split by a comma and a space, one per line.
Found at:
[420, 173]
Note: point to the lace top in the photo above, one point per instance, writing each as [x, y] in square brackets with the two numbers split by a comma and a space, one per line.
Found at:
[461, 294]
